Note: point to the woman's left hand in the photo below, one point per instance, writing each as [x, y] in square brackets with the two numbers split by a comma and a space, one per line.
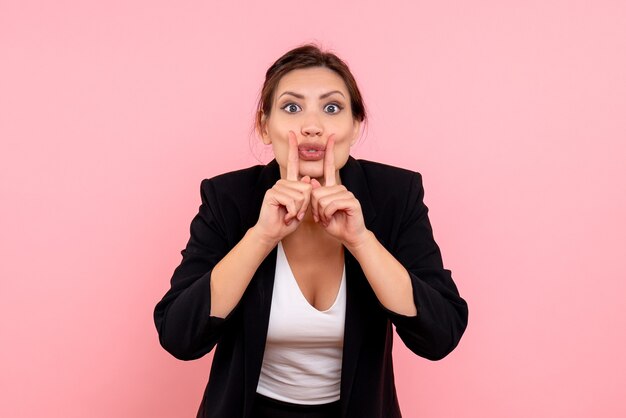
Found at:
[335, 207]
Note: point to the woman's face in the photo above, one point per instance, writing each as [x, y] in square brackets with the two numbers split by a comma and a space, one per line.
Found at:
[314, 103]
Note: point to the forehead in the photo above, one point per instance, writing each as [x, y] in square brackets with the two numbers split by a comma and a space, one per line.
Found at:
[314, 80]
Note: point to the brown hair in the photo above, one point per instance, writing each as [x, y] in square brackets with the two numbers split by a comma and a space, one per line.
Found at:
[306, 56]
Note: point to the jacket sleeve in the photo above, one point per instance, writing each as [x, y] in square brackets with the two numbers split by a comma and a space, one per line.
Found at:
[186, 329]
[441, 313]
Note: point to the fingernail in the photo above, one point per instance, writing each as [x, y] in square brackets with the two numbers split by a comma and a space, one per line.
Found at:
[317, 219]
[300, 216]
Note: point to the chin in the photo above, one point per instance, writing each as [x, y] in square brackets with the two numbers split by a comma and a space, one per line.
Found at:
[313, 169]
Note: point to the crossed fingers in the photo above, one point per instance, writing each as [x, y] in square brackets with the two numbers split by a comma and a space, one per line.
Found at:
[296, 195]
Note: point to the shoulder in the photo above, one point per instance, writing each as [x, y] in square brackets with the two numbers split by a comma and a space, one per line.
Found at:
[375, 167]
[387, 179]
[237, 185]
[232, 191]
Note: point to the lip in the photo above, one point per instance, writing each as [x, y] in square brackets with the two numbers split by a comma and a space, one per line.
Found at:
[311, 151]
[311, 146]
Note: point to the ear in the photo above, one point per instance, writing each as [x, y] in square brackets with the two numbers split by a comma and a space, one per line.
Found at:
[356, 128]
[265, 136]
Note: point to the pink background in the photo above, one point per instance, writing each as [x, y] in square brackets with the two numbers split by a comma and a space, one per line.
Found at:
[111, 113]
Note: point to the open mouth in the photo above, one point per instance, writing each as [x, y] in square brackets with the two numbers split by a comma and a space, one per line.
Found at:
[310, 154]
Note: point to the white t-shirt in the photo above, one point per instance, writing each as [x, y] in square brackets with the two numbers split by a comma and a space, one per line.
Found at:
[304, 347]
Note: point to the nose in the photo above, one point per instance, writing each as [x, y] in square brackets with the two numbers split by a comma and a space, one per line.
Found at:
[312, 126]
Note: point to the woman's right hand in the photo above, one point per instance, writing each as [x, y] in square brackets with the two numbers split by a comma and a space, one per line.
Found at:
[286, 203]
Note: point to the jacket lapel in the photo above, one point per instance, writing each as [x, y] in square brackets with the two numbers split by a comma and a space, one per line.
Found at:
[353, 177]
[256, 317]
[258, 295]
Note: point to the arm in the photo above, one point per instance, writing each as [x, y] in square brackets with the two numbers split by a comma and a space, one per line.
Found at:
[210, 281]
[389, 280]
[441, 313]
[231, 276]
[282, 211]
[411, 284]
[408, 279]
[183, 316]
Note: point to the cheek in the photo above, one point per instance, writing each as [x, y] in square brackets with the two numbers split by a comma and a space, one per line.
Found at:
[344, 131]
[342, 150]
[341, 157]
[280, 146]
[279, 133]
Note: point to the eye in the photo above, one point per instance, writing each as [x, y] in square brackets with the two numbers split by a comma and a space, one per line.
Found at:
[332, 108]
[291, 108]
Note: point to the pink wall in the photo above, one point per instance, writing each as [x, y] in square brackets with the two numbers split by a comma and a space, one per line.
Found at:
[111, 113]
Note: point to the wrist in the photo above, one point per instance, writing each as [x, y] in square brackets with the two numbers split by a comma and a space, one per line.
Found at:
[259, 237]
[361, 243]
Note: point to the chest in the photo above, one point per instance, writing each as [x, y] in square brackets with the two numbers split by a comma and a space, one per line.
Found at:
[317, 271]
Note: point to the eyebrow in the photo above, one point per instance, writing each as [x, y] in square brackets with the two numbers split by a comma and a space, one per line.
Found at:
[300, 96]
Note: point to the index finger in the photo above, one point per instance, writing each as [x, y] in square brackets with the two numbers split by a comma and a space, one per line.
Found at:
[293, 160]
[329, 163]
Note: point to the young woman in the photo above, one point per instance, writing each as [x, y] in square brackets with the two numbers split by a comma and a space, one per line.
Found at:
[297, 270]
